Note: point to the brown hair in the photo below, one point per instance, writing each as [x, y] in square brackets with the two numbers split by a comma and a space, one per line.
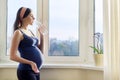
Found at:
[18, 20]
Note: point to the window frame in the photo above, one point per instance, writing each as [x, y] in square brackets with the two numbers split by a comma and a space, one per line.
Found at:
[86, 27]
[3, 28]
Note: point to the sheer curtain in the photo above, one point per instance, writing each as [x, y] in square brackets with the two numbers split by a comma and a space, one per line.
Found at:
[111, 39]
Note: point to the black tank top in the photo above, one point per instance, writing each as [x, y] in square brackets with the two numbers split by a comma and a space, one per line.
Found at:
[28, 49]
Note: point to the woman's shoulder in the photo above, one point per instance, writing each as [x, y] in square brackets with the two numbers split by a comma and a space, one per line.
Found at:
[18, 33]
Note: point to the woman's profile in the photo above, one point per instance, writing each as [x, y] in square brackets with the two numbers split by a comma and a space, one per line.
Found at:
[28, 45]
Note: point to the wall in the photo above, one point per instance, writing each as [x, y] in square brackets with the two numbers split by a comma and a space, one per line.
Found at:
[71, 74]
[56, 73]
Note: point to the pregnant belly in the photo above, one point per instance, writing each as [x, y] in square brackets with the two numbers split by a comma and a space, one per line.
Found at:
[33, 54]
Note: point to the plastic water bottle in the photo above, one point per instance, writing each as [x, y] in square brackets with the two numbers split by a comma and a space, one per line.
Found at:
[39, 25]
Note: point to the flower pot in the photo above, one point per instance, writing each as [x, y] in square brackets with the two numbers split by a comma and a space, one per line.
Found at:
[98, 59]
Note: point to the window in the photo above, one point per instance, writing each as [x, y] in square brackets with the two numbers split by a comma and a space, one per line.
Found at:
[62, 18]
[63, 28]
[99, 16]
[98, 33]
[83, 27]
[11, 15]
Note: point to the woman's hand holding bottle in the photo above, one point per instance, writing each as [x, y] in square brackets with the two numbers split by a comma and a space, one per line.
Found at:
[41, 28]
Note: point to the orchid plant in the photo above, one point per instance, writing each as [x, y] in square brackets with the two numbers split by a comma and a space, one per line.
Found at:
[98, 43]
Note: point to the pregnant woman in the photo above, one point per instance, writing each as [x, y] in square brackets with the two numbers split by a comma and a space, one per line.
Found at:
[28, 45]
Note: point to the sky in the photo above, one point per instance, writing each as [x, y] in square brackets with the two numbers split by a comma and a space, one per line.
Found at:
[63, 20]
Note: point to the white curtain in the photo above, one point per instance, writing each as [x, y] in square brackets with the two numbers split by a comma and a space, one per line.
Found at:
[111, 39]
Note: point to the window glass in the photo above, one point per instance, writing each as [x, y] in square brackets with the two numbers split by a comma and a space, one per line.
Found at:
[12, 8]
[98, 35]
[63, 28]
[98, 16]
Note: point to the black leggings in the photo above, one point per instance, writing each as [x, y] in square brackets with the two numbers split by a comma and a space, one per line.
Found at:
[27, 75]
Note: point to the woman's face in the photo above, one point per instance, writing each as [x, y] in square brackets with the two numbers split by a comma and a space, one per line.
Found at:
[30, 18]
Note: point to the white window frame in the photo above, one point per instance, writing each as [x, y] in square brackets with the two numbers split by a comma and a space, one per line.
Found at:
[3, 33]
[86, 29]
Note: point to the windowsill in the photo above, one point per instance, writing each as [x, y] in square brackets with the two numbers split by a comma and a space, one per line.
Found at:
[77, 66]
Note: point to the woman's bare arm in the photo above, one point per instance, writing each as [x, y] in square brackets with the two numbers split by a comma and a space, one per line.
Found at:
[40, 45]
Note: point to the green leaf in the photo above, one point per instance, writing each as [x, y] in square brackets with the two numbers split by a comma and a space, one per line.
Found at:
[97, 50]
